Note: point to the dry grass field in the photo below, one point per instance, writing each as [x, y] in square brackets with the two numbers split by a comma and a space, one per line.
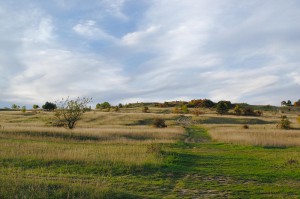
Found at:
[121, 155]
[262, 131]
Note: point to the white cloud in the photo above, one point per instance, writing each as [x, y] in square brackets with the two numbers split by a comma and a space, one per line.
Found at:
[296, 77]
[90, 30]
[44, 69]
[134, 38]
[234, 50]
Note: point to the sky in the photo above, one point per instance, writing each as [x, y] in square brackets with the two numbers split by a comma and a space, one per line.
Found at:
[149, 50]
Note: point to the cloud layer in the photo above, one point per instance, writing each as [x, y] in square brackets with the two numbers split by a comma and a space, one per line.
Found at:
[154, 50]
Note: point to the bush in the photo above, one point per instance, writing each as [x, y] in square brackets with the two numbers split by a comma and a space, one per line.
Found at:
[245, 126]
[23, 109]
[14, 106]
[159, 123]
[246, 111]
[104, 105]
[284, 123]
[145, 109]
[222, 107]
[184, 109]
[49, 106]
[117, 109]
[237, 110]
[35, 106]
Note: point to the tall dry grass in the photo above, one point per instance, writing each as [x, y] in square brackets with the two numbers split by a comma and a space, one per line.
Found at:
[100, 137]
[89, 153]
[256, 135]
[106, 133]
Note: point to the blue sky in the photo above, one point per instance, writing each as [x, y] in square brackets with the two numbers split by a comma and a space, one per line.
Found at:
[149, 50]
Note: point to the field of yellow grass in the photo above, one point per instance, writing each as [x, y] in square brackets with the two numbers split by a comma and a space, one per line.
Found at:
[110, 138]
[121, 155]
[262, 131]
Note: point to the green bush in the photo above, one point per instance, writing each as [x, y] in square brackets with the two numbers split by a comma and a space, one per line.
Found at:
[222, 107]
[284, 123]
[49, 106]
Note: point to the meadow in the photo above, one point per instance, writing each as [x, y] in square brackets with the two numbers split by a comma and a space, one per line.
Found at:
[121, 155]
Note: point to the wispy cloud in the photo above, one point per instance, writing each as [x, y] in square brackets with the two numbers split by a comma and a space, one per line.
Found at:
[110, 50]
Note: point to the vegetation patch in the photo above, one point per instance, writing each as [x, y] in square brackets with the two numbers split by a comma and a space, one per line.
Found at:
[228, 120]
[105, 158]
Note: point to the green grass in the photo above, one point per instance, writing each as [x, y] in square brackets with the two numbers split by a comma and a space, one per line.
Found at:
[195, 167]
[55, 164]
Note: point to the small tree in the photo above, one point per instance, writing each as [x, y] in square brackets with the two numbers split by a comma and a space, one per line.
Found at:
[284, 123]
[222, 107]
[237, 110]
[117, 109]
[23, 109]
[49, 106]
[14, 106]
[206, 103]
[35, 106]
[104, 105]
[297, 103]
[283, 103]
[70, 111]
[184, 109]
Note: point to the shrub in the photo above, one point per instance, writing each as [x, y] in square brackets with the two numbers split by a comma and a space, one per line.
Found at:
[35, 106]
[222, 107]
[49, 106]
[104, 105]
[145, 109]
[245, 126]
[14, 106]
[284, 123]
[159, 123]
[23, 109]
[184, 109]
[237, 110]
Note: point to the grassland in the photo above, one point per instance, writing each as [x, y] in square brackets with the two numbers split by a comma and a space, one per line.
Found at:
[120, 155]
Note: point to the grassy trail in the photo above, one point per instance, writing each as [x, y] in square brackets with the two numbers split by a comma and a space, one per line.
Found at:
[214, 170]
[194, 167]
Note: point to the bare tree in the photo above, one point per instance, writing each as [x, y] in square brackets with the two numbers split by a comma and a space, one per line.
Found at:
[68, 111]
